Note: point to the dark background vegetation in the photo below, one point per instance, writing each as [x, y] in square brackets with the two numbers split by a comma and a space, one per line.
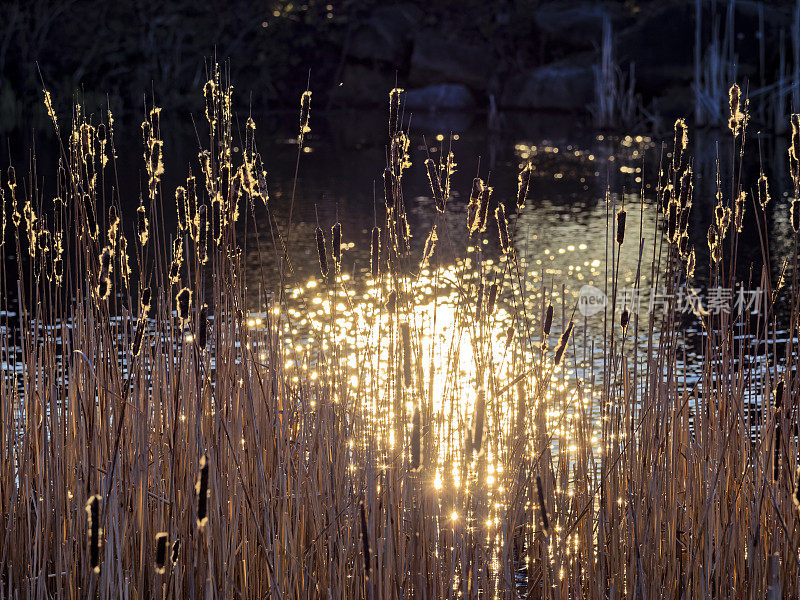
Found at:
[452, 54]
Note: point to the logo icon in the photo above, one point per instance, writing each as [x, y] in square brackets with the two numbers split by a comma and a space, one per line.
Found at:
[591, 300]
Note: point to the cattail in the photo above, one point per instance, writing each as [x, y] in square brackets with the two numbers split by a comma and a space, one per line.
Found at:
[621, 217]
[690, 260]
[183, 209]
[175, 552]
[162, 539]
[672, 222]
[435, 183]
[323, 256]
[523, 185]
[491, 299]
[336, 244]
[474, 203]
[202, 491]
[683, 244]
[94, 531]
[562, 343]
[405, 332]
[548, 320]
[734, 98]
[184, 301]
[510, 331]
[479, 417]
[144, 301]
[202, 233]
[502, 227]
[388, 194]
[483, 209]
[795, 214]
[681, 141]
[542, 507]
[684, 197]
[365, 541]
[796, 492]
[739, 208]
[763, 191]
[142, 224]
[394, 110]
[177, 260]
[305, 114]
[624, 318]
[202, 326]
[375, 252]
[137, 337]
[391, 302]
[416, 441]
[88, 210]
[794, 151]
[209, 91]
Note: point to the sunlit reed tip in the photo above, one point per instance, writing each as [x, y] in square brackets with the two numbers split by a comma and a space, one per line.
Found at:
[435, 184]
[523, 185]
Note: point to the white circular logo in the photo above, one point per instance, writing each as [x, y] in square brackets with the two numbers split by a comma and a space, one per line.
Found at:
[591, 300]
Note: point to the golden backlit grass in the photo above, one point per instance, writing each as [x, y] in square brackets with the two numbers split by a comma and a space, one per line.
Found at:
[426, 433]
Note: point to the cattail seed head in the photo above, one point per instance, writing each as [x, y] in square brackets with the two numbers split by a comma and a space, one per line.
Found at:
[562, 343]
[405, 333]
[734, 101]
[483, 209]
[502, 228]
[394, 110]
[323, 256]
[492, 299]
[305, 114]
[542, 507]
[365, 541]
[202, 234]
[624, 318]
[175, 552]
[138, 335]
[681, 141]
[391, 302]
[548, 320]
[184, 302]
[202, 491]
[94, 530]
[795, 215]
[162, 539]
[142, 224]
[202, 326]
[388, 193]
[474, 203]
[672, 222]
[479, 422]
[763, 191]
[621, 217]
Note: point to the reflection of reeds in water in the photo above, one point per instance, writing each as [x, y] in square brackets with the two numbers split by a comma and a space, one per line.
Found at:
[415, 402]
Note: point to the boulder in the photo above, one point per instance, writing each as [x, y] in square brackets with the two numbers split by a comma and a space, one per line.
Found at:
[578, 24]
[443, 96]
[562, 85]
[435, 60]
[386, 35]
